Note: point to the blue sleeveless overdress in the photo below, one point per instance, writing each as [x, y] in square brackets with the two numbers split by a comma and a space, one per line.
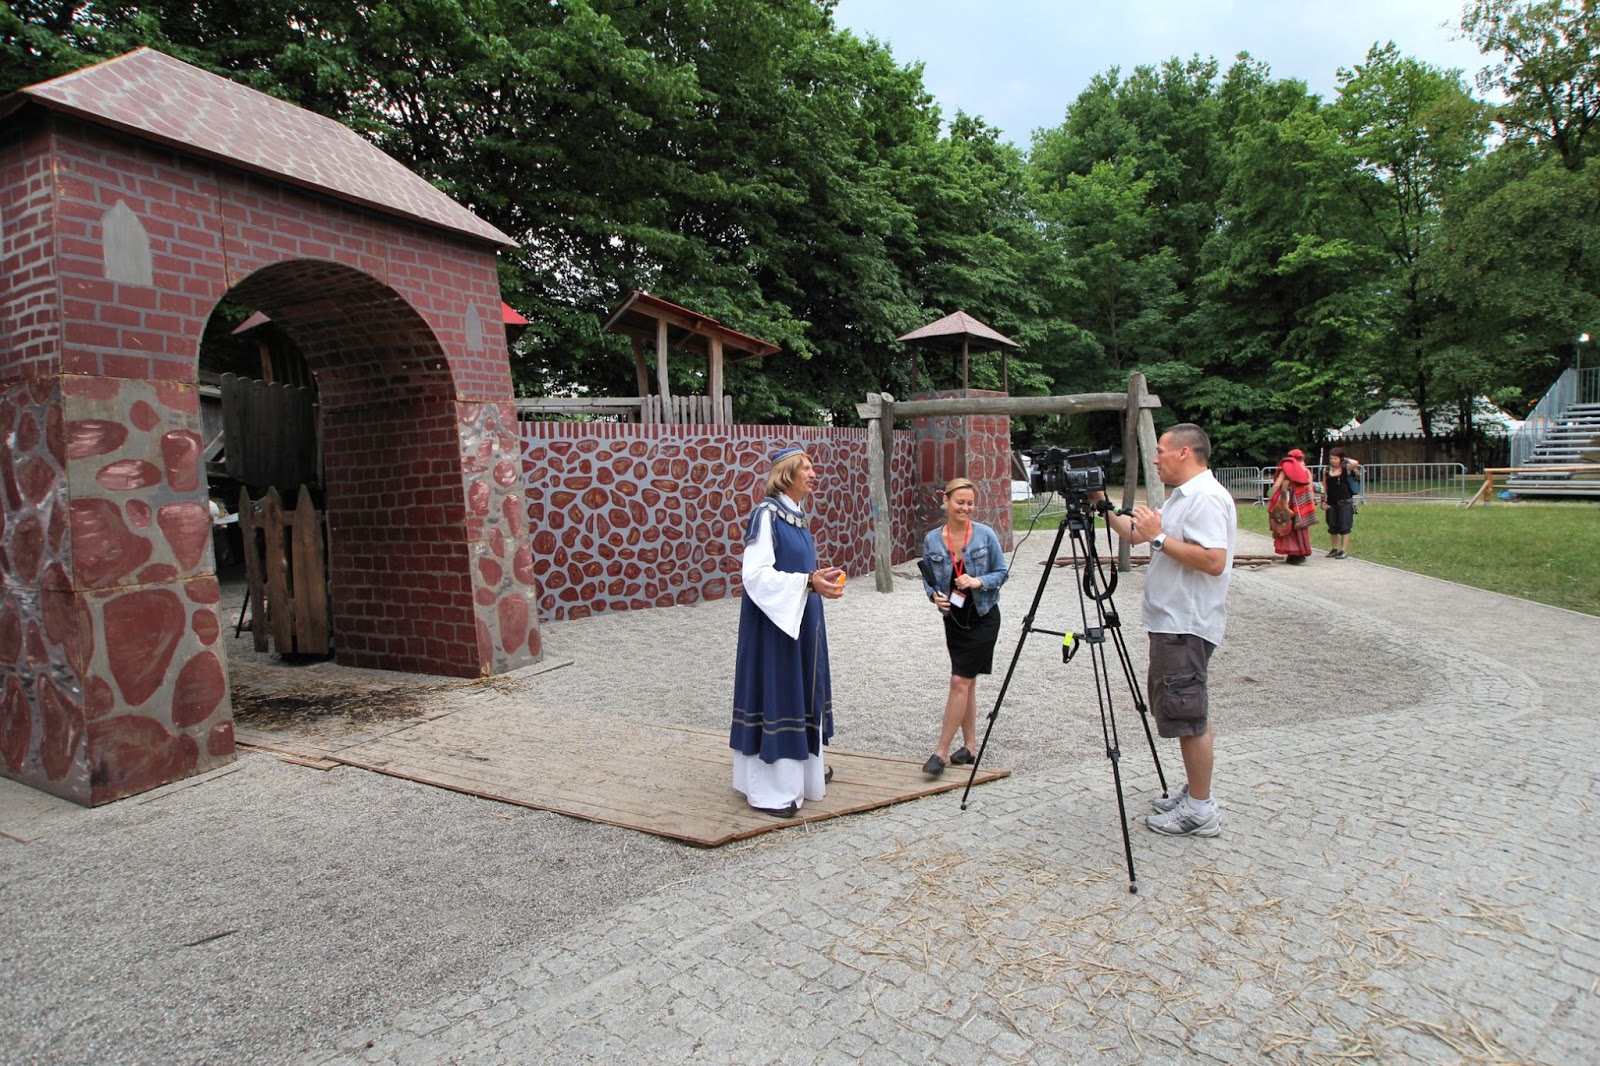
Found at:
[782, 689]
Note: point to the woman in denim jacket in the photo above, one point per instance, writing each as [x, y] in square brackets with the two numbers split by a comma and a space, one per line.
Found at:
[966, 567]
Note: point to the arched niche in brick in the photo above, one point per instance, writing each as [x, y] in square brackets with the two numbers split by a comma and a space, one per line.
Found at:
[392, 440]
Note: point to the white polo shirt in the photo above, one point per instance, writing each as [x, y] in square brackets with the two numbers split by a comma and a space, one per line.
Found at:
[1178, 599]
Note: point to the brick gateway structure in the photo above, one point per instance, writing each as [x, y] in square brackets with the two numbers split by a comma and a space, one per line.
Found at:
[133, 196]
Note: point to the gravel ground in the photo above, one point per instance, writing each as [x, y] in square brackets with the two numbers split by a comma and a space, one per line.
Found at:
[266, 909]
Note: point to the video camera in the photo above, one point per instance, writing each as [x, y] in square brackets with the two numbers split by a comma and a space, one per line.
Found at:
[1072, 475]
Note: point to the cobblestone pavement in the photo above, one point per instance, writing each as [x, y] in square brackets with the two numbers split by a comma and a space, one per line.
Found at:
[1412, 885]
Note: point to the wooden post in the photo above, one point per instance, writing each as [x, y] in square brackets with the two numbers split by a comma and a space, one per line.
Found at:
[964, 385]
[641, 372]
[1130, 454]
[1155, 493]
[249, 522]
[714, 349]
[661, 370]
[1486, 493]
[878, 462]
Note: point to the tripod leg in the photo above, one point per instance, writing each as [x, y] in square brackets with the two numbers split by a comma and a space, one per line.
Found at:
[1089, 589]
[1139, 704]
[1027, 627]
[1122, 816]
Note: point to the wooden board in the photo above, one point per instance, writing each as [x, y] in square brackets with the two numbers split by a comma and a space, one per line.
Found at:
[249, 523]
[309, 580]
[672, 781]
[279, 613]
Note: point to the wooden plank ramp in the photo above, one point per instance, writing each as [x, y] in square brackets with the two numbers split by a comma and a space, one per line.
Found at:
[672, 781]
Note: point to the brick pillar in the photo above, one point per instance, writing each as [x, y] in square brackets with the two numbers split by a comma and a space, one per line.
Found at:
[111, 681]
[970, 446]
[504, 591]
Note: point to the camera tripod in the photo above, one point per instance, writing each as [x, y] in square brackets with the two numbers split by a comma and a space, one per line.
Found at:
[1096, 588]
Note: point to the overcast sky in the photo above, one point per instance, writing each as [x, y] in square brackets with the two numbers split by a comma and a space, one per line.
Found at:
[1019, 63]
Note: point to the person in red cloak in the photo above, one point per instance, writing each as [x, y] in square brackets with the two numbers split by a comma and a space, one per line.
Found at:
[1292, 508]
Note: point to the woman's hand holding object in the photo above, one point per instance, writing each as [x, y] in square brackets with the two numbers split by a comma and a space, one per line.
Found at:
[829, 582]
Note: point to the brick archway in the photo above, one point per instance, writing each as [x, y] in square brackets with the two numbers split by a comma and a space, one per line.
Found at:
[119, 240]
[398, 452]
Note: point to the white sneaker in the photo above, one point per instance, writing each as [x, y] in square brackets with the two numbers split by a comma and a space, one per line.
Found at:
[1163, 804]
[1181, 821]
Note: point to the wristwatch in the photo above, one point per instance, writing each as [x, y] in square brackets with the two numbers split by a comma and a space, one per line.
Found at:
[1158, 541]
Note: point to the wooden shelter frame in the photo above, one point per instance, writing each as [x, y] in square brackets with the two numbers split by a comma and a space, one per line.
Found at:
[881, 410]
[644, 318]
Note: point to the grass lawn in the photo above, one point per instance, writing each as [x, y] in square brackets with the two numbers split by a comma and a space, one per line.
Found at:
[1545, 552]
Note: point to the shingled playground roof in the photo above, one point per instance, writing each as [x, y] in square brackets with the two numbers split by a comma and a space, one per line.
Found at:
[638, 313]
[165, 100]
[949, 333]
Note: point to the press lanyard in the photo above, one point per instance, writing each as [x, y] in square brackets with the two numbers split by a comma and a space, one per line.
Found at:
[958, 558]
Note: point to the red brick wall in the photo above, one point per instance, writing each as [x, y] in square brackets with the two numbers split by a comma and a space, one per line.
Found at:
[30, 299]
[970, 446]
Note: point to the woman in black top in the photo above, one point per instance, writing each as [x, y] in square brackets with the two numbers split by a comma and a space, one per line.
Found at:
[1340, 483]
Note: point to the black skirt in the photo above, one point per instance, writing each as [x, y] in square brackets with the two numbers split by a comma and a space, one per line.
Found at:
[970, 638]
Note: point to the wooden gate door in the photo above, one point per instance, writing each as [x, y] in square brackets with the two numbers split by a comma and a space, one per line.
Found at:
[286, 573]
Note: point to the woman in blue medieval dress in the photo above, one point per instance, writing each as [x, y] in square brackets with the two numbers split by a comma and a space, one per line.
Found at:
[782, 692]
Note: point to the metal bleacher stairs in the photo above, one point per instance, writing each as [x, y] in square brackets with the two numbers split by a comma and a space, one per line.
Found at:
[1571, 438]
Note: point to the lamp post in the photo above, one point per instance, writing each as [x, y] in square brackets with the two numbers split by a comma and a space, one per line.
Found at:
[1582, 395]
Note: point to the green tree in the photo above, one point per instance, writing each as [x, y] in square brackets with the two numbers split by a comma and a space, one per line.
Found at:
[1125, 190]
[1286, 308]
[1521, 250]
[1413, 131]
[1546, 64]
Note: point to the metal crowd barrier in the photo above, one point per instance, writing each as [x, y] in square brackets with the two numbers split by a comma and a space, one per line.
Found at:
[1380, 482]
[1247, 484]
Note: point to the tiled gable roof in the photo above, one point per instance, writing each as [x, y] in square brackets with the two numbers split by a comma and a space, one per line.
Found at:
[154, 96]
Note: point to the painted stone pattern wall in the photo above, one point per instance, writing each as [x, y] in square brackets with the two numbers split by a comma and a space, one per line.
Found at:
[113, 254]
[118, 653]
[629, 517]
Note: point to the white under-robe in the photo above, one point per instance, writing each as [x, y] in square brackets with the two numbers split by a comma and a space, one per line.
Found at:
[782, 598]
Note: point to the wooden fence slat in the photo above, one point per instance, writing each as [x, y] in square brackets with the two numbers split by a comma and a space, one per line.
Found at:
[273, 433]
[305, 437]
[249, 522]
[232, 426]
[282, 607]
[310, 584]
